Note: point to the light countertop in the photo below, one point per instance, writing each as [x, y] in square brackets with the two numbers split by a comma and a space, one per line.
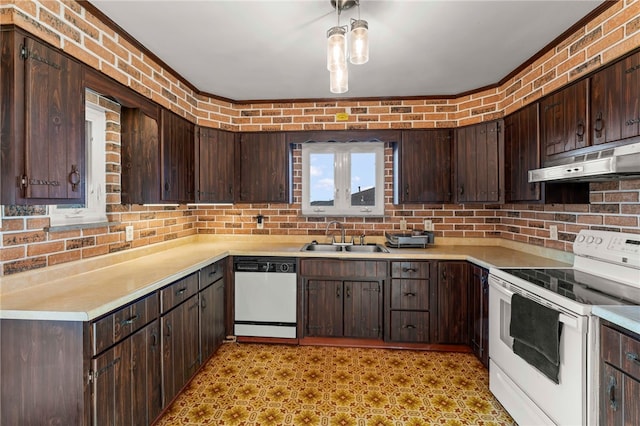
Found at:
[625, 316]
[87, 289]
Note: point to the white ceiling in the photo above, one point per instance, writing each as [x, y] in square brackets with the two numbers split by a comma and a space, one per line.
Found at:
[273, 50]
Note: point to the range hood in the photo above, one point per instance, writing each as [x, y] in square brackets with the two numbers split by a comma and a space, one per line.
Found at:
[608, 164]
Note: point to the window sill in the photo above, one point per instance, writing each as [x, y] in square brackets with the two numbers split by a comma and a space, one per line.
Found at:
[62, 228]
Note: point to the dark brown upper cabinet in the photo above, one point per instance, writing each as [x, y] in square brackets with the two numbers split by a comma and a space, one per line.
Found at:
[43, 132]
[522, 154]
[140, 157]
[262, 168]
[480, 163]
[214, 166]
[563, 120]
[177, 139]
[424, 163]
[615, 101]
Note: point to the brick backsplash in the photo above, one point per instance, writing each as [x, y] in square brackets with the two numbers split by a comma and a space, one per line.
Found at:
[67, 25]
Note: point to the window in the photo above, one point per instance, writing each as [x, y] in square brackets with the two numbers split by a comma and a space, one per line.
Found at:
[93, 210]
[343, 179]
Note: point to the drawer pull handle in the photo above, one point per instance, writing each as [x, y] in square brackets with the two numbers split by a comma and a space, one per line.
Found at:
[181, 291]
[130, 320]
[212, 273]
[203, 303]
[409, 294]
[633, 358]
[409, 270]
[611, 390]
[409, 326]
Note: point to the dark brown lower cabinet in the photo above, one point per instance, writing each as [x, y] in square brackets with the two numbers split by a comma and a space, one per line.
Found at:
[409, 326]
[453, 302]
[126, 380]
[410, 303]
[212, 330]
[619, 377]
[343, 309]
[180, 347]
[323, 308]
[479, 313]
[342, 298]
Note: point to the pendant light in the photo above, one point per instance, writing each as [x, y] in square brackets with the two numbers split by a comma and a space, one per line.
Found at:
[339, 80]
[337, 52]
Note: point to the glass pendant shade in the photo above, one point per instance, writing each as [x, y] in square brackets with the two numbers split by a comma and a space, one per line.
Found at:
[359, 48]
[336, 48]
[339, 80]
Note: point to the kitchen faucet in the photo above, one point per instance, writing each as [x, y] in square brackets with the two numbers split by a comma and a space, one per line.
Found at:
[342, 231]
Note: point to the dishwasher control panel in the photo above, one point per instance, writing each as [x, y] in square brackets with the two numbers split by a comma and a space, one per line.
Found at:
[264, 264]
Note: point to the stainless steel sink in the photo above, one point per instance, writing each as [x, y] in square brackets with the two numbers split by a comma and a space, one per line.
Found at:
[320, 247]
[365, 248]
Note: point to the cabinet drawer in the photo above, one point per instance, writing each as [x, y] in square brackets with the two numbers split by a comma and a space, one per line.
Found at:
[630, 356]
[410, 294]
[409, 326]
[123, 322]
[410, 269]
[210, 274]
[178, 292]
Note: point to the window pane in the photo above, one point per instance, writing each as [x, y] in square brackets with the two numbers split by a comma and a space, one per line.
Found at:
[363, 179]
[321, 179]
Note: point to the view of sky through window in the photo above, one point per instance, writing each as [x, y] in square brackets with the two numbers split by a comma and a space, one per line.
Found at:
[322, 176]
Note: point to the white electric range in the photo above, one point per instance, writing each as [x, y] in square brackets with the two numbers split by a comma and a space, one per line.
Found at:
[606, 271]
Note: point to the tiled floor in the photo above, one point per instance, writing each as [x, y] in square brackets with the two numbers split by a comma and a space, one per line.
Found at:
[254, 384]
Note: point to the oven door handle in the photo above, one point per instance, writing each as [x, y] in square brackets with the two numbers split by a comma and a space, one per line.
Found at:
[565, 318]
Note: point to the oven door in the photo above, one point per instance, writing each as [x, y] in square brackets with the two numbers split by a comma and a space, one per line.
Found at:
[528, 395]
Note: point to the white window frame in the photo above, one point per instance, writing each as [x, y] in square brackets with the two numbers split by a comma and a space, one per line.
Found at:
[342, 179]
[95, 166]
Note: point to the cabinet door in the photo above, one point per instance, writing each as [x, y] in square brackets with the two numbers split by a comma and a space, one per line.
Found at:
[54, 139]
[178, 158]
[479, 313]
[453, 325]
[611, 396]
[479, 160]
[140, 157]
[180, 343]
[522, 155]
[215, 166]
[263, 168]
[615, 108]
[563, 117]
[425, 166]
[146, 398]
[211, 318]
[323, 308]
[126, 387]
[362, 309]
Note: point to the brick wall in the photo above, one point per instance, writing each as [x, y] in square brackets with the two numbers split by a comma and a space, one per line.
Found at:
[67, 25]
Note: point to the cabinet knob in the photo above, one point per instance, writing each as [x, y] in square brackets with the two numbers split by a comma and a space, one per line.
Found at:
[74, 178]
[598, 125]
[580, 131]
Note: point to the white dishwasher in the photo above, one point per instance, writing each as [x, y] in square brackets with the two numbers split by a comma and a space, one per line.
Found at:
[265, 296]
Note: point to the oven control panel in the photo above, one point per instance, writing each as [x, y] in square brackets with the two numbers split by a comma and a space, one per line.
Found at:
[618, 247]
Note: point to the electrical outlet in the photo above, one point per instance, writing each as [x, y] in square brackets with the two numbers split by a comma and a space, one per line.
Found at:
[553, 232]
[403, 224]
[128, 233]
[428, 225]
[260, 221]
